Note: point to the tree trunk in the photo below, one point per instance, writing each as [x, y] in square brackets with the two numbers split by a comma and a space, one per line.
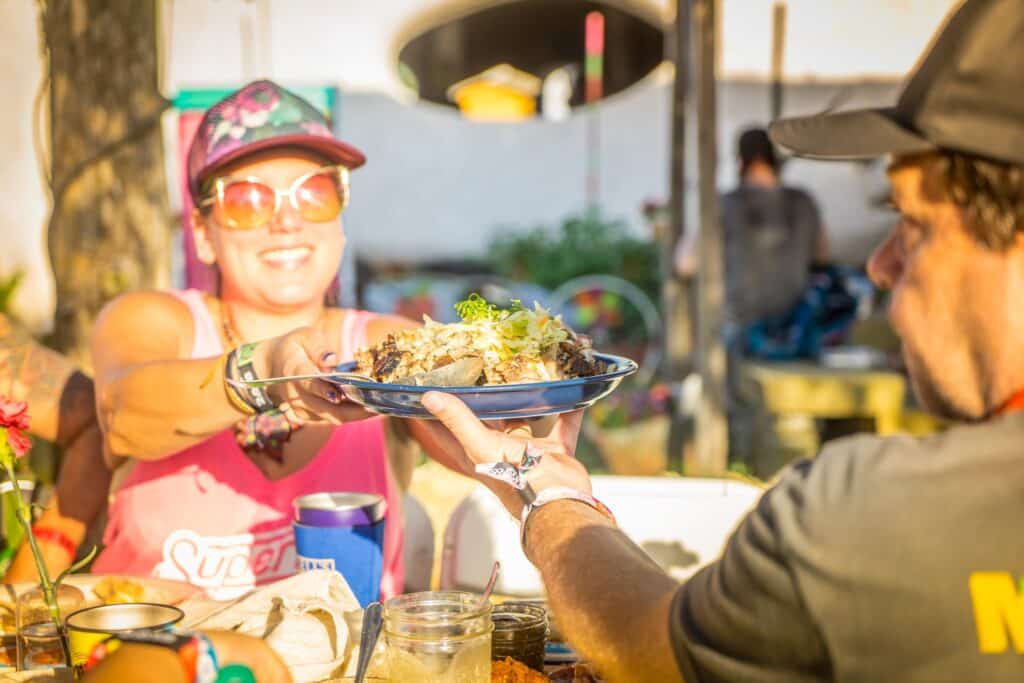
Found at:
[109, 230]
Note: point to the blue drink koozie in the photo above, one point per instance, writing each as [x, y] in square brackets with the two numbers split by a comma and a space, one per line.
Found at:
[343, 532]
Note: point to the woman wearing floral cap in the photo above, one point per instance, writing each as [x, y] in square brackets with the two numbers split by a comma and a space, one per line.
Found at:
[208, 499]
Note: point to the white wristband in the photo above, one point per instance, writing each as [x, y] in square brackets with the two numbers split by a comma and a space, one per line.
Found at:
[559, 493]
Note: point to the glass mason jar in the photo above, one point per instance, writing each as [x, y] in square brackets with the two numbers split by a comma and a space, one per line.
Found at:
[438, 637]
[39, 645]
[520, 632]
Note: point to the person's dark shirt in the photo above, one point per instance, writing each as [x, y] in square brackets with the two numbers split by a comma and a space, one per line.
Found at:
[770, 235]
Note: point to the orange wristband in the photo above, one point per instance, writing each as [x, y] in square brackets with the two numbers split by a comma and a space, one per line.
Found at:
[50, 535]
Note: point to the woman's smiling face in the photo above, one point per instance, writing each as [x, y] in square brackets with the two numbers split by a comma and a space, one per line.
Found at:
[290, 262]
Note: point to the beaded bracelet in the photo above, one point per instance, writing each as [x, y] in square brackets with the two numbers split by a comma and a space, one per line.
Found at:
[194, 651]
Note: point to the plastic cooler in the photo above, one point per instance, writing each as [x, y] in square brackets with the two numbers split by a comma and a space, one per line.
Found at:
[682, 523]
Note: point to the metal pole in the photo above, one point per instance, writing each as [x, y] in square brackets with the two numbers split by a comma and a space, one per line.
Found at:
[593, 72]
[778, 52]
[711, 454]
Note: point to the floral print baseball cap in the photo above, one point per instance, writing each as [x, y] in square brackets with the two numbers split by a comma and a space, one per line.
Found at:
[260, 116]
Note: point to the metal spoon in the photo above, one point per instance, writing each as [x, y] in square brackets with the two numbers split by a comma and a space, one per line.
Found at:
[495, 570]
[372, 620]
[461, 373]
[334, 376]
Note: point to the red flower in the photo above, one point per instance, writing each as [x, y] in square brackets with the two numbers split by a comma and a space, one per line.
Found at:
[14, 417]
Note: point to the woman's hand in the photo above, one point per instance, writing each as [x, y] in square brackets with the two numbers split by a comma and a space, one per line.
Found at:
[470, 442]
[305, 351]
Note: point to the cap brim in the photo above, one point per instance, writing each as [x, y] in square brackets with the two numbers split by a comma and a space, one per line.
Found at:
[333, 150]
[851, 135]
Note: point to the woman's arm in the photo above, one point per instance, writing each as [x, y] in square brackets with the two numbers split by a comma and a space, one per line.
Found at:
[138, 662]
[152, 399]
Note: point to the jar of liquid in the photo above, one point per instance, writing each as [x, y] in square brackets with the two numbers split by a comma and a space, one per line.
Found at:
[438, 637]
[520, 632]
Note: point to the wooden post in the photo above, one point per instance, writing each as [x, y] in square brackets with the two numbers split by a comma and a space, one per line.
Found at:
[778, 53]
[109, 229]
[711, 453]
[676, 291]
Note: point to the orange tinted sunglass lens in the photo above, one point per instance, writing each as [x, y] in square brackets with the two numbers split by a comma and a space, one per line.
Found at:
[246, 204]
[320, 197]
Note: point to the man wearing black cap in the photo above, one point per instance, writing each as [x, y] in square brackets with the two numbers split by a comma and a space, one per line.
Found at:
[885, 559]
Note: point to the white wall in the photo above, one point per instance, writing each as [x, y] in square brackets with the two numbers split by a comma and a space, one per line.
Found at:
[23, 204]
[436, 184]
[353, 42]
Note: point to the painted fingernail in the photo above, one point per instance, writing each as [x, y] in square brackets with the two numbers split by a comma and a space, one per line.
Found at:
[333, 396]
[329, 358]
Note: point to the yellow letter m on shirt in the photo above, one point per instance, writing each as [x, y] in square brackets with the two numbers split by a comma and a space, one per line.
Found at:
[998, 612]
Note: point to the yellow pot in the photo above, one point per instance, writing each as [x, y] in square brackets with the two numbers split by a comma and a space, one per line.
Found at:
[638, 449]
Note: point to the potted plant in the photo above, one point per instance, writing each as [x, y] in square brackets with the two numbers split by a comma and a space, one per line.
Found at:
[631, 428]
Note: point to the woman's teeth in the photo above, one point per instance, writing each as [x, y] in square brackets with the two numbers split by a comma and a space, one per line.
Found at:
[286, 257]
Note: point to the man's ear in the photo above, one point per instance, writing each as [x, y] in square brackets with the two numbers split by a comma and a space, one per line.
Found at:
[201, 234]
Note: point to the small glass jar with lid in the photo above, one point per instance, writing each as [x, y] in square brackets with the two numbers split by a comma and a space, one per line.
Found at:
[520, 632]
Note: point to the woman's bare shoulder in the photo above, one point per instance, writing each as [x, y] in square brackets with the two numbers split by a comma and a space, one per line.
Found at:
[156, 320]
[147, 304]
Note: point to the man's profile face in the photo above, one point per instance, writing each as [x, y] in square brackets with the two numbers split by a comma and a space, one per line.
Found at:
[953, 299]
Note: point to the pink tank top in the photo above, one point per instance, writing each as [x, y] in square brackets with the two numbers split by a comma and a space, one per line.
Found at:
[208, 516]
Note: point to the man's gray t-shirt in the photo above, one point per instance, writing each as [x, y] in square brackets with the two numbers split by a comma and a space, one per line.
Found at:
[769, 240]
[885, 559]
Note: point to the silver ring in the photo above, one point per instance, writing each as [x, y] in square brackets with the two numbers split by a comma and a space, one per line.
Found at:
[503, 471]
[513, 475]
[531, 458]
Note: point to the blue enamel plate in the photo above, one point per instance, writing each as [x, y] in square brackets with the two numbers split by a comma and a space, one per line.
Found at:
[498, 402]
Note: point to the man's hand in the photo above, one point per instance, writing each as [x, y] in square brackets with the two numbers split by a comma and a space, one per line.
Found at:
[471, 442]
[611, 600]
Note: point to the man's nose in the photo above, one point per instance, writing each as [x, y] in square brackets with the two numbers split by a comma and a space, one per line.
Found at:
[886, 263]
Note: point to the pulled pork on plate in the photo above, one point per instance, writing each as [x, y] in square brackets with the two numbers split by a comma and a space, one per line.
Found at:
[516, 345]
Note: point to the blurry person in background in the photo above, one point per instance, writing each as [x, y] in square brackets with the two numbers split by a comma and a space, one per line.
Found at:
[772, 236]
[62, 407]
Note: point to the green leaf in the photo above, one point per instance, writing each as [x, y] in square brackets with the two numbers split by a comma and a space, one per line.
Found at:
[77, 565]
[7, 458]
[8, 288]
[475, 308]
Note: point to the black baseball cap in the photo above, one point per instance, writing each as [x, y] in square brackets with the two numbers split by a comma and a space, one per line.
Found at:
[965, 94]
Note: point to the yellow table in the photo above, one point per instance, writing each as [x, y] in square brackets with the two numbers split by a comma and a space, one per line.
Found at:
[787, 397]
[811, 389]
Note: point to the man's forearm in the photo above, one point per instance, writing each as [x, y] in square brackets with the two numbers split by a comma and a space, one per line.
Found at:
[610, 599]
